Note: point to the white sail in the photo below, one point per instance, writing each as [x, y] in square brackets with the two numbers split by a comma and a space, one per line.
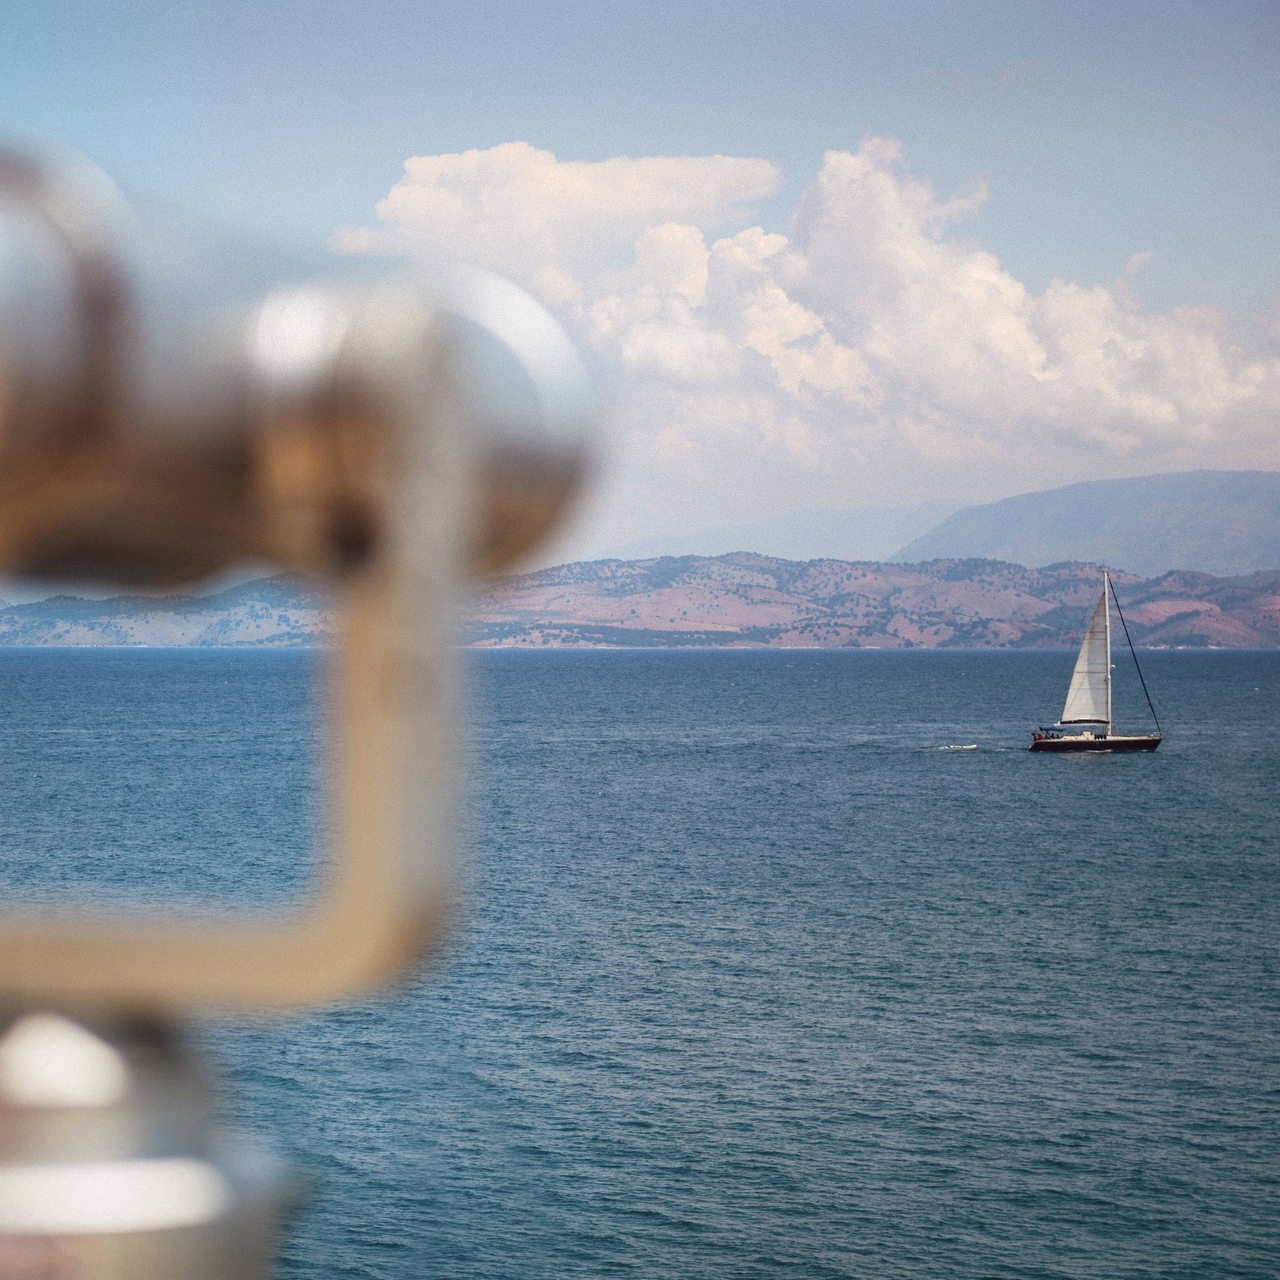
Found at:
[1089, 697]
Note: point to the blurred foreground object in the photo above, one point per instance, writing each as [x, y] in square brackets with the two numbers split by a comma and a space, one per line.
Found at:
[161, 421]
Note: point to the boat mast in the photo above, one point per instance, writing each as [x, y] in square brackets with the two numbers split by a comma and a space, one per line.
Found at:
[1106, 618]
[1137, 666]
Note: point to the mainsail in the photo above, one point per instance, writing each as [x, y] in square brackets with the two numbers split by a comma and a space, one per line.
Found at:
[1089, 697]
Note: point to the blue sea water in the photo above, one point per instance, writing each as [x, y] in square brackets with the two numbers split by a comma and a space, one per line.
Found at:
[752, 980]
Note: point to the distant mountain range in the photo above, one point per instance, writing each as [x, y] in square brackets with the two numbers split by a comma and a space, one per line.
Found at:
[263, 612]
[742, 600]
[1221, 522]
[698, 600]
[817, 533]
[1196, 557]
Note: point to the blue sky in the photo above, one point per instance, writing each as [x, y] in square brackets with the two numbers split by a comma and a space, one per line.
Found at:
[1129, 148]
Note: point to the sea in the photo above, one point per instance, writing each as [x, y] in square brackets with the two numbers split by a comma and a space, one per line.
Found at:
[751, 977]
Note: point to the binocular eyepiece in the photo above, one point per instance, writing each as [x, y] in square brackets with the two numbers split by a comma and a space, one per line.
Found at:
[163, 417]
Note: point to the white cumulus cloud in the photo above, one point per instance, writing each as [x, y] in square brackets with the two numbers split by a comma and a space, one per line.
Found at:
[554, 225]
[871, 355]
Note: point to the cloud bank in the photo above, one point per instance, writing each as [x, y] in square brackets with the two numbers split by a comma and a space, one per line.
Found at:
[870, 356]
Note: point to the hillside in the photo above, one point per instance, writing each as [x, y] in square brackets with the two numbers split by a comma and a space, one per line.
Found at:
[725, 600]
[1220, 522]
[758, 600]
[263, 612]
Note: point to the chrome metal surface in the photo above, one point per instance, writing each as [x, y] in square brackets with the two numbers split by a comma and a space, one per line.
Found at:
[112, 1164]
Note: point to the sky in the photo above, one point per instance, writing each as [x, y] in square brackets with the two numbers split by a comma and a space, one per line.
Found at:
[834, 255]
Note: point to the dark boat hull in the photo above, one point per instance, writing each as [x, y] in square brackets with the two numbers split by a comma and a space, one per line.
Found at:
[1116, 743]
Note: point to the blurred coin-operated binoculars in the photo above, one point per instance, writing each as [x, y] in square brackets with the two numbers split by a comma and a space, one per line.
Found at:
[158, 425]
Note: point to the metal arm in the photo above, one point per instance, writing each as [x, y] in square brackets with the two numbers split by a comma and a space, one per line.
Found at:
[153, 432]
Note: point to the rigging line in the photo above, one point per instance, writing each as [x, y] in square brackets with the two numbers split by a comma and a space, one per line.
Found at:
[1133, 653]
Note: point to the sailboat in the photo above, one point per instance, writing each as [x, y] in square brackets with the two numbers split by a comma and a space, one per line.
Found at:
[1086, 723]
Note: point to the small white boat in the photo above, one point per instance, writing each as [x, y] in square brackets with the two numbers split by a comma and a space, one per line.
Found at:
[1086, 723]
[960, 746]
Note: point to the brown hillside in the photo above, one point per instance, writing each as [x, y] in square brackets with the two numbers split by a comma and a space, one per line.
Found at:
[747, 599]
